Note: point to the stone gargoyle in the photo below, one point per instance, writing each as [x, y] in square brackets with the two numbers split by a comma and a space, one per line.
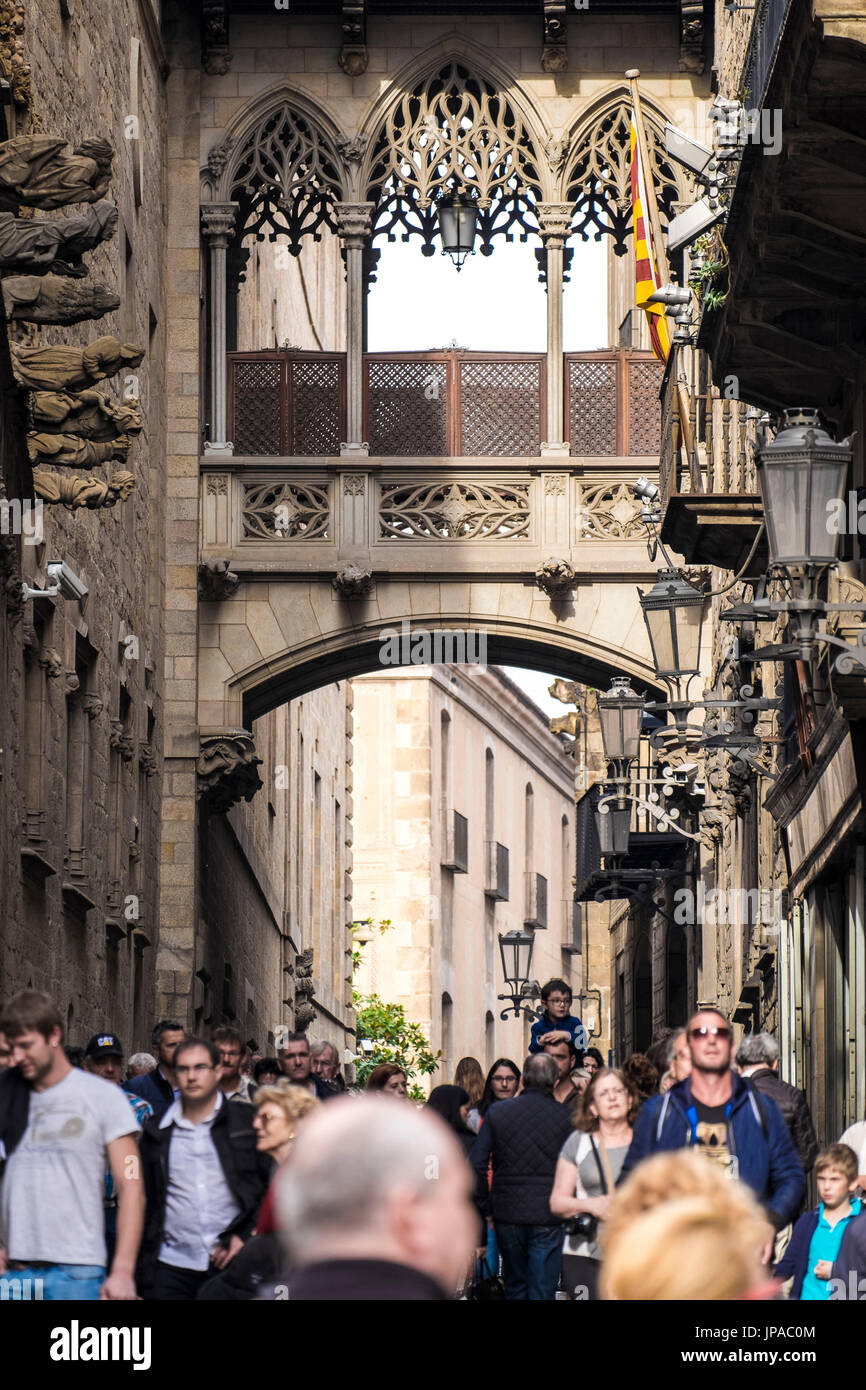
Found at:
[35, 171]
[35, 245]
[55, 299]
[63, 368]
[71, 451]
[88, 414]
[74, 490]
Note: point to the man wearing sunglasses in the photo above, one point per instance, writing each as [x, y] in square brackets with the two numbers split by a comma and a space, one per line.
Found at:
[723, 1117]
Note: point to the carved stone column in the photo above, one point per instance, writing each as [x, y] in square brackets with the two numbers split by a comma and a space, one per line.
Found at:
[354, 224]
[554, 221]
[218, 227]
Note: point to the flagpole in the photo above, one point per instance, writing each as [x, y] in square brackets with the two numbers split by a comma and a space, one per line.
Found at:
[660, 250]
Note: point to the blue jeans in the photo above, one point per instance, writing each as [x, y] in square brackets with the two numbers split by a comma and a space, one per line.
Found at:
[54, 1283]
[530, 1261]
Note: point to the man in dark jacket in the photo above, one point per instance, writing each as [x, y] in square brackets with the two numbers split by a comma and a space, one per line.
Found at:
[157, 1086]
[758, 1059]
[719, 1114]
[524, 1137]
[204, 1179]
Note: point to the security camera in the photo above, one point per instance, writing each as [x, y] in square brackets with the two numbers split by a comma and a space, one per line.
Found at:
[689, 225]
[645, 489]
[671, 295]
[722, 107]
[69, 583]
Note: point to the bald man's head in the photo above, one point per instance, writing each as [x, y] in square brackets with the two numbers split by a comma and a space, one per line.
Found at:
[372, 1180]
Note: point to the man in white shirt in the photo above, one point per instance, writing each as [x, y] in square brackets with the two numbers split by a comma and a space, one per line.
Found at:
[204, 1179]
[59, 1130]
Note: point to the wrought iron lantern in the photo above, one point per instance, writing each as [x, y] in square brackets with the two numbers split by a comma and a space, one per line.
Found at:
[515, 949]
[673, 611]
[458, 220]
[801, 474]
[620, 712]
[613, 824]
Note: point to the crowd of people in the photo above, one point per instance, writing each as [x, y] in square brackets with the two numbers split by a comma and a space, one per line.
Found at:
[205, 1171]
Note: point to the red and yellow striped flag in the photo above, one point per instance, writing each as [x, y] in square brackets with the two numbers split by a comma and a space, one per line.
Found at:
[646, 269]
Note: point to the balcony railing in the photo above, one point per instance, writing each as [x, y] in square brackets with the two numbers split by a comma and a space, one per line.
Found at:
[443, 404]
[767, 28]
[723, 460]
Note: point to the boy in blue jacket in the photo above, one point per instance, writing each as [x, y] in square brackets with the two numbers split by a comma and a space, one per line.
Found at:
[817, 1236]
[557, 1023]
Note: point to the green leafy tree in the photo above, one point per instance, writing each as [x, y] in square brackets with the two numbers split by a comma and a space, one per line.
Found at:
[393, 1036]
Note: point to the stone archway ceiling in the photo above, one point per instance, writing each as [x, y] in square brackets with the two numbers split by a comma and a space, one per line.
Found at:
[286, 180]
[599, 180]
[454, 130]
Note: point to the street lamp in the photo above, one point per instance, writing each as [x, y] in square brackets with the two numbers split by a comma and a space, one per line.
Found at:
[800, 474]
[458, 217]
[620, 711]
[515, 949]
[673, 611]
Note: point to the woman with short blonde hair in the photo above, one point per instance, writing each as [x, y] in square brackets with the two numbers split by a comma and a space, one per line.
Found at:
[276, 1130]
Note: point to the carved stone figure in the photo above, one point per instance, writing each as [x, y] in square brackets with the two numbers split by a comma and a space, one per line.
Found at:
[74, 491]
[305, 988]
[35, 244]
[56, 299]
[353, 581]
[33, 170]
[555, 577]
[64, 368]
[85, 413]
[227, 769]
[71, 451]
[216, 581]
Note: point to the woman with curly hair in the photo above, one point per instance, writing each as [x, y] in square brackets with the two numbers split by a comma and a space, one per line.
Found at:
[586, 1173]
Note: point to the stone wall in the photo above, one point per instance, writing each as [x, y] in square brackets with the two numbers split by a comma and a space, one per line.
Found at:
[85, 719]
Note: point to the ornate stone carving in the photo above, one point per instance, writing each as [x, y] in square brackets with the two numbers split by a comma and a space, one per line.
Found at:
[354, 223]
[88, 414]
[147, 759]
[51, 661]
[353, 53]
[216, 581]
[567, 693]
[554, 485]
[227, 768]
[282, 510]
[599, 176]
[71, 451]
[555, 577]
[609, 512]
[12, 51]
[286, 178]
[454, 511]
[215, 55]
[15, 600]
[351, 147]
[218, 222]
[37, 245]
[62, 368]
[121, 741]
[34, 171]
[555, 150]
[692, 36]
[218, 484]
[71, 683]
[305, 988]
[74, 491]
[353, 580]
[554, 221]
[554, 53]
[92, 706]
[218, 156]
[56, 299]
[353, 485]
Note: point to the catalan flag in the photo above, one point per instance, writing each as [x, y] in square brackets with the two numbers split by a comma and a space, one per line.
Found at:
[646, 270]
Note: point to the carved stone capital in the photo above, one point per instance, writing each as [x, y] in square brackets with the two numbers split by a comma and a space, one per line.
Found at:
[354, 223]
[353, 580]
[555, 577]
[122, 742]
[227, 768]
[147, 759]
[218, 221]
[216, 581]
[554, 221]
[351, 147]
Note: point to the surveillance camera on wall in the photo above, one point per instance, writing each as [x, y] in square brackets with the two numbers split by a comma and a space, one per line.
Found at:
[70, 585]
[645, 489]
[692, 223]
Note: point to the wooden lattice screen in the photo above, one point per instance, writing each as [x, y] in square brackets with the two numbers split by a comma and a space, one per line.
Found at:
[612, 403]
[501, 406]
[286, 403]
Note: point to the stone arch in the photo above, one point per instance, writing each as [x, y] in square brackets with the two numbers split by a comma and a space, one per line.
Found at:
[595, 172]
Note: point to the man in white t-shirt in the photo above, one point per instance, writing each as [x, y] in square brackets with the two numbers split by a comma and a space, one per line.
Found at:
[60, 1128]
